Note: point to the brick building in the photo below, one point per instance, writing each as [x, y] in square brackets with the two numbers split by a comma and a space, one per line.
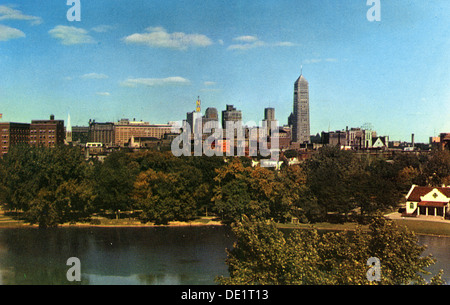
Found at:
[12, 134]
[47, 133]
[125, 129]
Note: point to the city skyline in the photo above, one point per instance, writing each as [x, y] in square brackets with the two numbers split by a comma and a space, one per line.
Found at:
[150, 61]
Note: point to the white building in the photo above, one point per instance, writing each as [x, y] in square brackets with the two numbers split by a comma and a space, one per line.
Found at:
[428, 201]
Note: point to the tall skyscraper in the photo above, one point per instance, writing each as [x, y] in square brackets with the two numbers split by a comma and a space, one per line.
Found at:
[269, 118]
[300, 128]
[231, 114]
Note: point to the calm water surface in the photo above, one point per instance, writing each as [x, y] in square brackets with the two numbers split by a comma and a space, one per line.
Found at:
[175, 255]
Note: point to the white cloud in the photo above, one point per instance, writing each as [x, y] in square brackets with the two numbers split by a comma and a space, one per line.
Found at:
[246, 38]
[70, 35]
[7, 33]
[102, 28]
[208, 83]
[284, 44]
[247, 42]
[247, 46]
[103, 93]
[155, 82]
[8, 13]
[94, 76]
[158, 37]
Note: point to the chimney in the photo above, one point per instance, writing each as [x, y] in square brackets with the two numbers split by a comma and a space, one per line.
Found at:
[52, 117]
[412, 140]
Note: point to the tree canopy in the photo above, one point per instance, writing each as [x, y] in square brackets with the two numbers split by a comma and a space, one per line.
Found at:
[264, 255]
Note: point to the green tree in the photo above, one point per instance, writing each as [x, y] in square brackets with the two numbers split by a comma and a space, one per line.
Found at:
[263, 254]
[114, 180]
[164, 197]
[437, 168]
[295, 199]
[331, 176]
[243, 190]
[50, 185]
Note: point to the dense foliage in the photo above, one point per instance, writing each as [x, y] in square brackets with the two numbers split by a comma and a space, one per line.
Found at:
[54, 186]
[263, 255]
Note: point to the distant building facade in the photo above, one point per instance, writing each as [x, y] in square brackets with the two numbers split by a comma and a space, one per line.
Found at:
[125, 129]
[444, 141]
[12, 134]
[269, 118]
[101, 133]
[334, 138]
[231, 114]
[358, 138]
[300, 116]
[47, 133]
[380, 142]
[80, 134]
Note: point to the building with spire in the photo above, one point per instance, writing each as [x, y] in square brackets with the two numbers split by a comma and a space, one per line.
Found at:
[68, 139]
[194, 118]
[300, 115]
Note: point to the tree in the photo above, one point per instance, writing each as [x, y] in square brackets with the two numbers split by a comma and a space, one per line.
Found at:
[264, 255]
[114, 180]
[331, 176]
[295, 198]
[437, 168]
[243, 190]
[382, 189]
[50, 185]
[164, 197]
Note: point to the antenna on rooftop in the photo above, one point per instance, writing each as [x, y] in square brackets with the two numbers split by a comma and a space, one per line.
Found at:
[198, 104]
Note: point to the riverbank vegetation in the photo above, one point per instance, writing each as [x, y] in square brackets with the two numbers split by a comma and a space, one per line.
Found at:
[263, 255]
[49, 187]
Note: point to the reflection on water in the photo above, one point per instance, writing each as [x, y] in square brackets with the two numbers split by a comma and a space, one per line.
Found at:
[135, 256]
[184, 255]
[439, 247]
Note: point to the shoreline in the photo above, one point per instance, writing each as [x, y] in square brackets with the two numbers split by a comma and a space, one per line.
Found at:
[14, 224]
[419, 227]
[199, 224]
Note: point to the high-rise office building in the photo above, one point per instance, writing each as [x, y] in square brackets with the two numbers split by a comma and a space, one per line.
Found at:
[269, 118]
[301, 128]
[231, 114]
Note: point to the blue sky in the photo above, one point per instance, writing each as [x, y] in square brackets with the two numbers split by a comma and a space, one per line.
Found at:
[150, 60]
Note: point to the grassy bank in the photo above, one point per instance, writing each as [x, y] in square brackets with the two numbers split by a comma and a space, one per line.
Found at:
[417, 226]
[10, 222]
[426, 227]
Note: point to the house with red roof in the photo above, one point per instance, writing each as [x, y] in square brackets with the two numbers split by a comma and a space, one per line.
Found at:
[428, 201]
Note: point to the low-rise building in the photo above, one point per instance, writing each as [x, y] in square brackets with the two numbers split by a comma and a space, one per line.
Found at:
[428, 201]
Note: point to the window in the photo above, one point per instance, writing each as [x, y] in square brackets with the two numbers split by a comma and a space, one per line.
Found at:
[411, 205]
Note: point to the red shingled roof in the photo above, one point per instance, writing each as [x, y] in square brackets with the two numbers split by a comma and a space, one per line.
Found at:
[419, 191]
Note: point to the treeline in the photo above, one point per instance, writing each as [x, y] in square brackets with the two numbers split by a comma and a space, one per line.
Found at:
[54, 186]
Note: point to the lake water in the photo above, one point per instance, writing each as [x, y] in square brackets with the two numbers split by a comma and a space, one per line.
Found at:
[108, 256]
